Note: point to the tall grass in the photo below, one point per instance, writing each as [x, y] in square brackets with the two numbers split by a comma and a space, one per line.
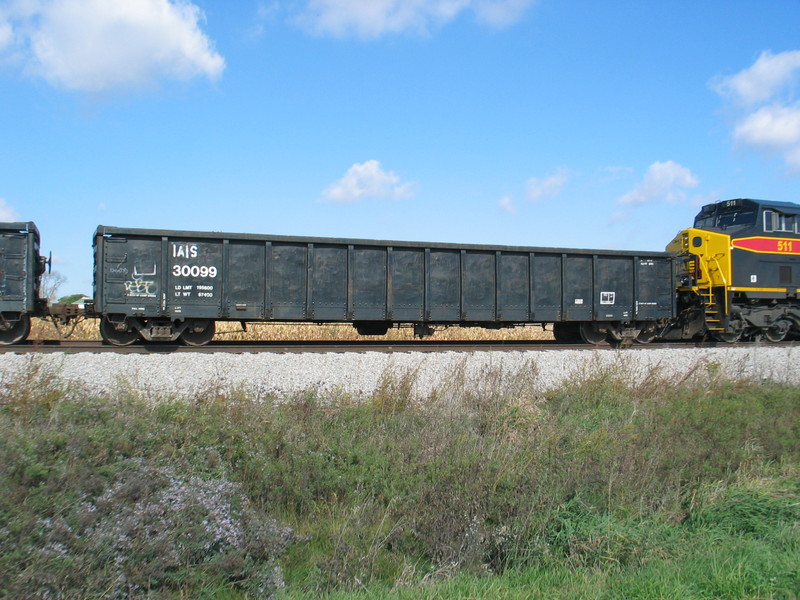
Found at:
[599, 489]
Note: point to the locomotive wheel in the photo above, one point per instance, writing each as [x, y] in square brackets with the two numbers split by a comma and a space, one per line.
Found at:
[777, 333]
[16, 332]
[115, 337]
[729, 337]
[591, 335]
[198, 333]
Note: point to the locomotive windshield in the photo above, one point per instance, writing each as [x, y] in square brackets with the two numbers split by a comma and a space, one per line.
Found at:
[736, 218]
[724, 216]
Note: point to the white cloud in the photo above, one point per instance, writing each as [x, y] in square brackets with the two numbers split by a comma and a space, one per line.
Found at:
[7, 213]
[6, 34]
[373, 18]
[662, 180]
[266, 13]
[541, 188]
[768, 112]
[768, 76]
[507, 205]
[501, 13]
[101, 45]
[368, 181]
[609, 174]
[774, 127]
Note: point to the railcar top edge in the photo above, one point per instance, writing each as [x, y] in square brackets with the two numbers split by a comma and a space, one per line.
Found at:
[106, 231]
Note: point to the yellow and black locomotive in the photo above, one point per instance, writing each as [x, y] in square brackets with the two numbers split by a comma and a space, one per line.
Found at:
[739, 272]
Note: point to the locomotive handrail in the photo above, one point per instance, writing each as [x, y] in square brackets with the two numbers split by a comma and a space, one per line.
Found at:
[716, 258]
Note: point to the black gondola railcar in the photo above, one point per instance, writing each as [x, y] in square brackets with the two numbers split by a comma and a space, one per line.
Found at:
[160, 285]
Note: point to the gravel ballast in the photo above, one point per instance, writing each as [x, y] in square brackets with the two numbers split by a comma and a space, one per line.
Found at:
[267, 375]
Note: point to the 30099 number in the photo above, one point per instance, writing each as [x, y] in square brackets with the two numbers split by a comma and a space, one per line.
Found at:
[193, 271]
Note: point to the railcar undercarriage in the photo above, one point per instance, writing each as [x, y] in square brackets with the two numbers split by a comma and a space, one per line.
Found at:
[602, 332]
[120, 330]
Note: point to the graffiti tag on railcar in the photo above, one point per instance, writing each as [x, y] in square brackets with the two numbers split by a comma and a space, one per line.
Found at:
[139, 287]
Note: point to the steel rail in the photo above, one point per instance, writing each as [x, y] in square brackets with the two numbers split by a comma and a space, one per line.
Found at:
[284, 347]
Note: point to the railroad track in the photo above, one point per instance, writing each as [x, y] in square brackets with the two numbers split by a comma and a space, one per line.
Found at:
[283, 347]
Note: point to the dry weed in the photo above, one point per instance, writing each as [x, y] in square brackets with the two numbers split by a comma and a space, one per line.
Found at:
[307, 332]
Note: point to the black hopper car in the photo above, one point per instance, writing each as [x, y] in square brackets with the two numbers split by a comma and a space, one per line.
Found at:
[732, 276]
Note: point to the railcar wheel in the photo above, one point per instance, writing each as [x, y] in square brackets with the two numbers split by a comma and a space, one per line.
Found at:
[591, 335]
[15, 332]
[198, 333]
[117, 337]
[777, 333]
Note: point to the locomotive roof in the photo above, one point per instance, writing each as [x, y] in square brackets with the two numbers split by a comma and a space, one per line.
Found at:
[103, 230]
[786, 207]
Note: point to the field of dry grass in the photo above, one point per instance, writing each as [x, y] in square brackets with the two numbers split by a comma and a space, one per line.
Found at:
[232, 331]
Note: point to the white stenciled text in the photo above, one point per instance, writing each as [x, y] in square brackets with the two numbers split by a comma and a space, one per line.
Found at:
[184, 250]
[194, 271]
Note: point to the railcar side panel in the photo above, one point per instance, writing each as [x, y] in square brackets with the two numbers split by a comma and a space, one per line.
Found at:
[196, 275]
[578, 293]
[245, 287]
[287, 283]
[546, 287]
[328, 294]
[132, 276]
[368, 284]
[406, 286]
[655, 291]
[443, 285]
[614, 291]
[479, 286]
[513, 287]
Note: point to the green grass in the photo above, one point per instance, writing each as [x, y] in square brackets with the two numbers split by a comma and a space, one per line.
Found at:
[600, 489]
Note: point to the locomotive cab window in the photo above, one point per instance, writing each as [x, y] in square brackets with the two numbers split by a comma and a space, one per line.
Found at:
[775, 221]
[705, 221]
[723, 217]
[736, 218]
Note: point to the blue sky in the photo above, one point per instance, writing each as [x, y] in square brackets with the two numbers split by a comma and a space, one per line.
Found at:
[524, 122]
